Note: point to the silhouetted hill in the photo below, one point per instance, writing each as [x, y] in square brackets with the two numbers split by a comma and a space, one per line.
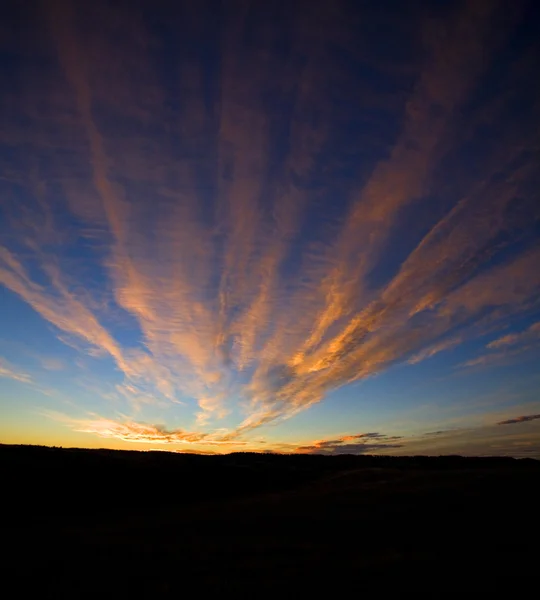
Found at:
[102, 523]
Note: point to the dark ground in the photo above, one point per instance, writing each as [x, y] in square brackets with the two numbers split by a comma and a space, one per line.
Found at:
[100, 524]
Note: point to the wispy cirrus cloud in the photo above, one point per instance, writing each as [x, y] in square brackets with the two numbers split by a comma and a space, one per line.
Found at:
[66, 311]
[532, 334]
[55, 303]
[9, 371]
[508, 348]
[203, 207]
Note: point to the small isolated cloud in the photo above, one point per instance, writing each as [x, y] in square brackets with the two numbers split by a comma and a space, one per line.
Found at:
[521, 419]
[52, 364]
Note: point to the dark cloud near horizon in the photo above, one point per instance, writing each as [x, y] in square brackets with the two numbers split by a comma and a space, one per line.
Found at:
[350, 449]
[521, 419]
[351, 444]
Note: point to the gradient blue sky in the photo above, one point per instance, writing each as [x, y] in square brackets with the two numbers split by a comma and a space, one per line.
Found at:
[287, 226]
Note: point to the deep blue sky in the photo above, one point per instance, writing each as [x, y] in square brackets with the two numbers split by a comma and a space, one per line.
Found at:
[289, 226]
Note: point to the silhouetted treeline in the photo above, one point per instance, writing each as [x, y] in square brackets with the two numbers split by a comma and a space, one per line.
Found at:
[68, 480]
[119, 524]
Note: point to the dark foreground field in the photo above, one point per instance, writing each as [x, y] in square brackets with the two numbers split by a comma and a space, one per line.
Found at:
[100, 524]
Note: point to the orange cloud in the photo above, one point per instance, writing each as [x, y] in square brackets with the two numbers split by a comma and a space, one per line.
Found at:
[137, 432]
[128, 430]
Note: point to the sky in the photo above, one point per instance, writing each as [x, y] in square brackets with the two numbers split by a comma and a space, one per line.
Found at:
[280, 226]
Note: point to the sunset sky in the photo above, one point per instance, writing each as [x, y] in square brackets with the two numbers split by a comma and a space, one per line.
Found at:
[275, 226]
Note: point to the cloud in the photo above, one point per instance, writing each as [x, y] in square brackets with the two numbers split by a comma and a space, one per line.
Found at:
[50, 363]
[128, 430]
[485, 440]
[10, 372]
[509, 347]
[67, 312]
[529, 335]
[211, 407]
[398, 181]
[137, 432]
[522, 419]
[434, 349]
[361, 443]
[206, 452]
[57, 305]
[218, 225]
